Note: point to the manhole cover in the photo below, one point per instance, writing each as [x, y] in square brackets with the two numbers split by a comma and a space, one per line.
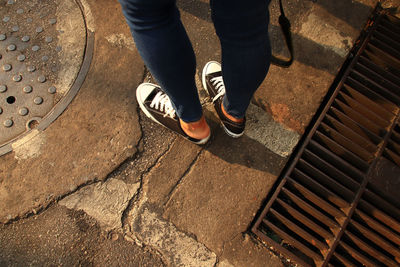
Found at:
[45, 53]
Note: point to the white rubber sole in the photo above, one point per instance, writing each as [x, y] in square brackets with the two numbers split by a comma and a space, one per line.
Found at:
[233, 135]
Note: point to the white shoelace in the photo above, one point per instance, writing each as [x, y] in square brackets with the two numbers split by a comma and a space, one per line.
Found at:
[162, 103]
[219, 85]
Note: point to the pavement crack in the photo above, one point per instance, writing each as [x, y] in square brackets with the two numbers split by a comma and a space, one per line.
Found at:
[50, 202]
[171, 192]
[158, 158]
[133, 201]
[227, 241]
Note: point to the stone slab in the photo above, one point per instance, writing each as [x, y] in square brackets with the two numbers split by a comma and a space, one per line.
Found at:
[242, 250]
[223, 190]
[177, 248]
[323, 33]
[160, 182]
[105, 202]
[97, 132]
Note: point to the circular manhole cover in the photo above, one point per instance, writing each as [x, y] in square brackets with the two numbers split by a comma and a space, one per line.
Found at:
[42, 63]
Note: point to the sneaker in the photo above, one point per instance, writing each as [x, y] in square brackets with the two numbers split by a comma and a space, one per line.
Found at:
[214, 84]
[158, 107]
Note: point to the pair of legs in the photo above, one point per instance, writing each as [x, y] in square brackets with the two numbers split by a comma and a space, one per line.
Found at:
[242, 27]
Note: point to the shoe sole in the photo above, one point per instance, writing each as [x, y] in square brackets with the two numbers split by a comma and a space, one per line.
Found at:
[148, 114]
[203, 80]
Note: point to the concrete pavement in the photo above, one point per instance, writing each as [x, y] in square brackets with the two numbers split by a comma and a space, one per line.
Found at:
[103, 185]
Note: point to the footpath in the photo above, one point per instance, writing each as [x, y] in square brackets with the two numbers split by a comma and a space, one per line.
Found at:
[105, 186]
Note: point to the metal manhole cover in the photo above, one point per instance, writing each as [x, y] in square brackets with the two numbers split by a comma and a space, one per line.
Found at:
[45, 52]
[337, 203]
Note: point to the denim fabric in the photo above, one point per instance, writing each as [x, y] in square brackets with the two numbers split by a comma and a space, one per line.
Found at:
[161, 39]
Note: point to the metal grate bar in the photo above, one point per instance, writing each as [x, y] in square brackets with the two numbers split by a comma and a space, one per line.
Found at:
[377, 226]
[341, 164]
[318, 201]
[384, 89]
[368, 145]
[346, 142]
[382, 61]
[309, 252]
[379, 52]
[377, 239]
[392, 156]
[343, 183]
[378, 97]
[382, 204]
[394, 44]
[388, 33]
[322, 191]
[313, 164]
[341, 151]
[345, 261]
[385, 48]
[380, 71]
[378, 78]
[394, 147]
[354, 126]
[379, 110]
[332, 224]
[358, 256]
[379, 215]
[327, 235]
[388, 23]
[300, 230]
[369, 250]
[363, 110]
[354, 115]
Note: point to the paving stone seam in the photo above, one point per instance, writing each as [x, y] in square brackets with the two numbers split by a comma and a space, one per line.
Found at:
[227, 241]
[50, 203]
[285, 261]
[139, 204]
[187, 171]
[140, 239]
[55, 200]
[139, 150]
[136, 199]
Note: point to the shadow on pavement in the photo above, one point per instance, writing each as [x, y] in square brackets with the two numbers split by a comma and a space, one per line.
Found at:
[306, 51]
[243, 151]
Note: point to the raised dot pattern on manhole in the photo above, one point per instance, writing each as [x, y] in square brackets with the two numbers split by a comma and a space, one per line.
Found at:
[30, 62]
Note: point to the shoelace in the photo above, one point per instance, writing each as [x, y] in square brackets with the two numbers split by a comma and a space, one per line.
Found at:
[219, 85]
[162, 102]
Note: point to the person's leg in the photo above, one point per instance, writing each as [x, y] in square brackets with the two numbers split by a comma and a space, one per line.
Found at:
[166, 50]
[242, 27]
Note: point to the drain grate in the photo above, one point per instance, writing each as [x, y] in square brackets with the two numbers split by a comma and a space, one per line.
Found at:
[337, 203]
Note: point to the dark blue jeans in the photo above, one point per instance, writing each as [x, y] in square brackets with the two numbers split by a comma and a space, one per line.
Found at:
[161, 39]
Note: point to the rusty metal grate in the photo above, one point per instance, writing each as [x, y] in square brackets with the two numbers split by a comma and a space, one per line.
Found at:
[338, 202]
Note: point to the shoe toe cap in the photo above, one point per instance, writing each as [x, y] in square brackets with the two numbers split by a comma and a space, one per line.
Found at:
[212, 67]
[144, 90]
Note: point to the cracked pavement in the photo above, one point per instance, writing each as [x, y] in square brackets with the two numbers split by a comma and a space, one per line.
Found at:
[110, 187]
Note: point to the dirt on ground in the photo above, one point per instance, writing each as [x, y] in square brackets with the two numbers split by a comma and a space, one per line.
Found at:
[63, 237]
